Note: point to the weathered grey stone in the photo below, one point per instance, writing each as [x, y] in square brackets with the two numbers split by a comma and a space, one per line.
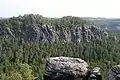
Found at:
[67, 68]
[73, 66]
[50, 34]
[95, 74]
[114, 73]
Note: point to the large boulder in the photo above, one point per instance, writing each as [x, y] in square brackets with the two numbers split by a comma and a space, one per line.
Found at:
[114, 73]
[67, 68]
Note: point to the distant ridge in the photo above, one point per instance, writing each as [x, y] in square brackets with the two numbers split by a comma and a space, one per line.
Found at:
[108, 24]
[36, 28]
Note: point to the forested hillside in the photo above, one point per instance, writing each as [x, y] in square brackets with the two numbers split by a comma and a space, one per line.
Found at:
[35, 28]
[111, 25]
[22, 58]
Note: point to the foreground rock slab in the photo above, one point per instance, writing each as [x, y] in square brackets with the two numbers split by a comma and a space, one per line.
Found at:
[67, 68]
[114, 73]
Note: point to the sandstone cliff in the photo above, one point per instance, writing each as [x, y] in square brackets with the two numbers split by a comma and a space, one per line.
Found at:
[34, 28]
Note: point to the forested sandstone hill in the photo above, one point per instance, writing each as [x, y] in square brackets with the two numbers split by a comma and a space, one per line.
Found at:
[36, 28]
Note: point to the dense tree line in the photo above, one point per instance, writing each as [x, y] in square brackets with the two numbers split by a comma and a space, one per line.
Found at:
[21, 60]
[25, 61]
[30, 19]
[36, 28]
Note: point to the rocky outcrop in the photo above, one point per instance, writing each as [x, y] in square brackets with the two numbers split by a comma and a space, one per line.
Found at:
[35, 28]
[47, 33]
[114, 73]
[95, 74]
[66, 68]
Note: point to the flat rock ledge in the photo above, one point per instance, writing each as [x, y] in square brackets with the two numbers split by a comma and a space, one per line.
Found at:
[72, 66]
[68, 68]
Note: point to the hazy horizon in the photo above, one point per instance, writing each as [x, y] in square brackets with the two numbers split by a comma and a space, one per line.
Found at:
[60, 8]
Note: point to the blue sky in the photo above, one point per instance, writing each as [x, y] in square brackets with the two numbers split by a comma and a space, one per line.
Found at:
[59, 8]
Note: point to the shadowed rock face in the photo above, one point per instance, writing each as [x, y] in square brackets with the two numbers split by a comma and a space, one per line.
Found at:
[114, 73]
[35, 28]
[47, 33]
[66, 68]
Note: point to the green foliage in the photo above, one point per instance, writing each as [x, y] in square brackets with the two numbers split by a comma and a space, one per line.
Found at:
[26, 72]
[20, 60]
[13, 76]
[16, 23]
[17, 72]
[26, 61]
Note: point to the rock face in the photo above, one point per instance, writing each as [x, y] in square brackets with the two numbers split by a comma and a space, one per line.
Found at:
[47, 33]
[95, 74]
[114, 73]
[35, 28]
[66, 68]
